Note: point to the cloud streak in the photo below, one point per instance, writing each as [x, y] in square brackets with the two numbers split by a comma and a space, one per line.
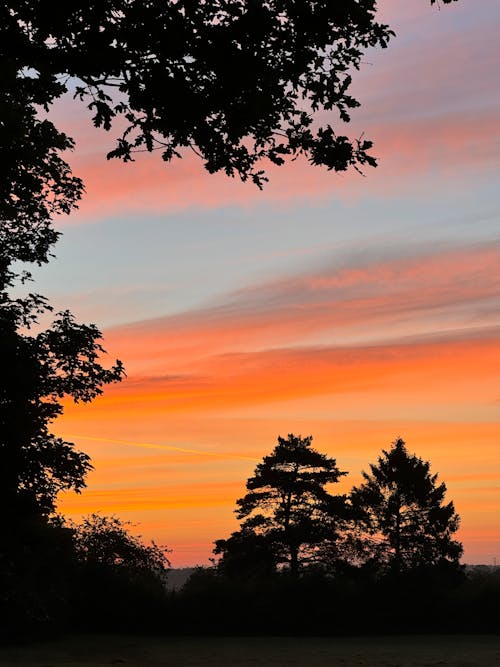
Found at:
[407, 148]
[416, 334]
[156, 446]
[452, 293]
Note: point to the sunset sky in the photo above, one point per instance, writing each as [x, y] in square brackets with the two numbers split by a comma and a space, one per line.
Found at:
[353, 308]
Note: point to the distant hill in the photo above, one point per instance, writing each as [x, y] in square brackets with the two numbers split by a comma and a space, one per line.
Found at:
[482, 569]
[177, 577]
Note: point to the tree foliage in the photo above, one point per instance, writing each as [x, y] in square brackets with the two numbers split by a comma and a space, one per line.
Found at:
[38, 370]
[288, 511]
[35, 182]
[121, 579]
[106, 541]
[237, 81]
[37, 570]
[404, 520]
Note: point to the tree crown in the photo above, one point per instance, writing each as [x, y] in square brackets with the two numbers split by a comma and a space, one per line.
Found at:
[402, 507]
[287, 511]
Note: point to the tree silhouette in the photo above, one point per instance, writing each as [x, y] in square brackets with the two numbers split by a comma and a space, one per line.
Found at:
[35, 182]
[405, 523]
[105, 541]
[40, 366]
[237, 81]
[287, 513]
[121, 579]
[37, 372]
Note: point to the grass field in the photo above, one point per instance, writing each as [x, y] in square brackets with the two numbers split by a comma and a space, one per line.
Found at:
[415, 651]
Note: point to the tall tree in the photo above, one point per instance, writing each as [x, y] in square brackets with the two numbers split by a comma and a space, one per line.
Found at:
[39, 367]
[288, 511]
[402, 513]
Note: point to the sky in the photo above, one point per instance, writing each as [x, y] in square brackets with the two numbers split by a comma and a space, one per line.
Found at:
[357, 309]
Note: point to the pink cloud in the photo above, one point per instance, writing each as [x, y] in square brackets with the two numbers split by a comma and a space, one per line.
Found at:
[442, 372]
[418, 329]
[443, 293]
[408, 151]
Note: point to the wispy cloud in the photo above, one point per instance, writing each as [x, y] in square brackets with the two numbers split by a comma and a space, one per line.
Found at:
[455, 143]
[420, 332]
[357, 301]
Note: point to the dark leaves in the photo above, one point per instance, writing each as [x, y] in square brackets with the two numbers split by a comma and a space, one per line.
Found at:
[39, 370]
[288, 506]
[401, 506]
[221, 77]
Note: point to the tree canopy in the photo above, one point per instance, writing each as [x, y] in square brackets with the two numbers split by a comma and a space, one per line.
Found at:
[38, 370]
[106, 541]
[402, 513]
[239, 82]
[288, 512]
[396, 521]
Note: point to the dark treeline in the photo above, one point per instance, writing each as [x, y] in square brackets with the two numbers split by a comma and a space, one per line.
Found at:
[380, 559]
[395, 522]
[348, 604]
[59, 596]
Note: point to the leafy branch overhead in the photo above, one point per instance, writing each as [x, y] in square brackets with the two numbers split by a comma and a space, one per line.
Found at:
[240, 82]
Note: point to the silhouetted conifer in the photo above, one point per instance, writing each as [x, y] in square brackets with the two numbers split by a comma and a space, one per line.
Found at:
[403, 521]
[288, 513]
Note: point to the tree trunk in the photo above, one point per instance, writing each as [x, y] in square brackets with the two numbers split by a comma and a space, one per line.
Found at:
[294, 560]
[397, 556]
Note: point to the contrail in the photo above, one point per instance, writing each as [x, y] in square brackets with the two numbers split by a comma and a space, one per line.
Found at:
[153, 445]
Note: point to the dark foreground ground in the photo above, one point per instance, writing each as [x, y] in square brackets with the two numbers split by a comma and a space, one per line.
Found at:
[415, 651]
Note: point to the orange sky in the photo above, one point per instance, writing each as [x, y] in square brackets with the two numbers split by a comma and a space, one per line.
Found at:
[356, 309]
[173, 450]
